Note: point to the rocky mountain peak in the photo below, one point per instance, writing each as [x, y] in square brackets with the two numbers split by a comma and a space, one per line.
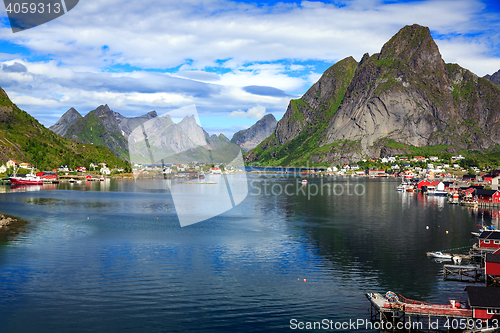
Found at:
[67, 119]
[251, 137]
[102, 110]
[495, 78]
[414, 46]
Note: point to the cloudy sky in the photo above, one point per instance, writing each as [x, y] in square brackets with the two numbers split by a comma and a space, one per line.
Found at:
[234, 60]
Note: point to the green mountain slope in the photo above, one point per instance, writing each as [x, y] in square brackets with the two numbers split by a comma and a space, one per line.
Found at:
[23, 138]
[100, 127]
[299, 132]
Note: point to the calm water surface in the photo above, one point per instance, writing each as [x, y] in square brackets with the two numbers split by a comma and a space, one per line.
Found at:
[112, 257]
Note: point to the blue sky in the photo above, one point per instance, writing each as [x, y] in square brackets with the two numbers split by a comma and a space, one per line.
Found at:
[234, 60]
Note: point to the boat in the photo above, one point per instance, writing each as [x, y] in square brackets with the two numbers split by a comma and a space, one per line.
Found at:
[440, 255]
[28, 179]
[453, 199]
[437, 193]
[485, 228]
[304, 182]
[72, 180]
[392, 302]
[402, 187]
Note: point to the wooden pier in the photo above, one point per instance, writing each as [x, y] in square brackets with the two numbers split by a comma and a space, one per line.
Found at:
[463, 273]
[409, 315]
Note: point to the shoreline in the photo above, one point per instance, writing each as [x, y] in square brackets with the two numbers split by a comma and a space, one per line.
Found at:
[10, 225]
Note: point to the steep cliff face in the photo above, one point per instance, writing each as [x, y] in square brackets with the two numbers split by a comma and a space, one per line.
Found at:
[249, 138]
[67, 119]
[405, 94]
[299, 131]
[408, 94]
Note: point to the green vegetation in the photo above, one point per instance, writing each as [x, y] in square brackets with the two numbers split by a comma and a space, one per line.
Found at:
[24, 139]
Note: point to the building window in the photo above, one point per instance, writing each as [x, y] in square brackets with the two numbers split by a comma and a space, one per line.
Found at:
[486, 242]
[493, 311]
[496, 242]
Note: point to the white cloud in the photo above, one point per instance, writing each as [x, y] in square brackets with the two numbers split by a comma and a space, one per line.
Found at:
[205, 52]
[255, 112]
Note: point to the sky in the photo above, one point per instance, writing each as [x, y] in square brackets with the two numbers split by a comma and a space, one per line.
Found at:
[234, 60]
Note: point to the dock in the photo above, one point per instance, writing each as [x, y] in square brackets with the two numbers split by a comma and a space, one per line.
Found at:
[467, 273]
[409, 314]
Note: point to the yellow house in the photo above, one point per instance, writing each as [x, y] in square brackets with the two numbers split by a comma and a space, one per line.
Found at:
[24, 165]
[11, 164]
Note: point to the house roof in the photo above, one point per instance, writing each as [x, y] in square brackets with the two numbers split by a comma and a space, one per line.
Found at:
[483, 297]
[485, 192]
[490, 235]
[493, 258]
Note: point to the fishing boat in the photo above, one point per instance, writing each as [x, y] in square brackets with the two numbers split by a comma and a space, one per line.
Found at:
[304, 182]
[485, 228]
[28, 179]
[440, 255]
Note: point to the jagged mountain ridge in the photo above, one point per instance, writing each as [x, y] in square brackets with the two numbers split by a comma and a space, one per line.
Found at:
[249, 138]
[110, 129]
[160, 140]
[99, 127]
[404, 95]
[66, 120]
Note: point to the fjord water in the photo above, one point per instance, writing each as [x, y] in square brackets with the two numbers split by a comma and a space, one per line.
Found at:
[112, 257]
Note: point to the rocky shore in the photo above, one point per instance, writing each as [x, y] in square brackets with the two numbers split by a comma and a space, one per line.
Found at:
[5, 221]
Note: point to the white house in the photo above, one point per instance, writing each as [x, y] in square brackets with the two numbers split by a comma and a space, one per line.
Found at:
[105, 171]
[3, 168]
[458, 157]
[433, 158]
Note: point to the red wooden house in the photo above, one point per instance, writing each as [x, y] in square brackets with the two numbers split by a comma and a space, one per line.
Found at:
[492, 265]
[423, 183]
[487, 195]
[484, 301]
[48, 175]
[489, 239]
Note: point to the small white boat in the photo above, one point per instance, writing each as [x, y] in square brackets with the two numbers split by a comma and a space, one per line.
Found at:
[438, 193]
[72, 180]
[304, 182]
[402, 187]
[440, 255]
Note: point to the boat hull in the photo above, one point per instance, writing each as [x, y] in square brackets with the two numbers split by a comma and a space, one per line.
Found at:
[21, 181]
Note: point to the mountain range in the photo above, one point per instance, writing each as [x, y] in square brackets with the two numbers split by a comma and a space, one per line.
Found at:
[401, 99]
[110, 129]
